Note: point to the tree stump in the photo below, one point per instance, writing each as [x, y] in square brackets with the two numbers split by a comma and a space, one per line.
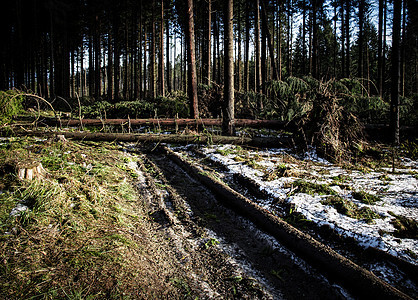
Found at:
[30, 171]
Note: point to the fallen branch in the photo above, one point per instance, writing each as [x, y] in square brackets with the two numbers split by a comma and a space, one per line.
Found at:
[272, 124]
[358, 280]
[161, 138]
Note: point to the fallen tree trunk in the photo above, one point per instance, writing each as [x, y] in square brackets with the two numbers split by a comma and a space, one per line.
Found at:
[360, 282]
[163, 138]
[272, 124]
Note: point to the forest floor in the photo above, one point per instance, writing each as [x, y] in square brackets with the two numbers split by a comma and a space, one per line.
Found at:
[115, 220]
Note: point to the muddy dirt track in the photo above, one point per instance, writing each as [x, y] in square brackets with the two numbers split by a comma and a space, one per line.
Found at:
[228, 256]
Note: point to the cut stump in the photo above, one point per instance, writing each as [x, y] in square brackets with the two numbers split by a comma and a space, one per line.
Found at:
[30, 171]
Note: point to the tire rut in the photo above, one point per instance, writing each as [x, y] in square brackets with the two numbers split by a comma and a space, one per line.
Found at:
[250, 253]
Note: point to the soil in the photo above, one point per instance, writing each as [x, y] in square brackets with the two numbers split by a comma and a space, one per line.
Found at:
[175, 238]
[229, 255]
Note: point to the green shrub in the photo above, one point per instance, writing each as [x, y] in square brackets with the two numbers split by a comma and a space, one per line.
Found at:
[173, 105]
[98, 109]
[11, 104]
[133, 109]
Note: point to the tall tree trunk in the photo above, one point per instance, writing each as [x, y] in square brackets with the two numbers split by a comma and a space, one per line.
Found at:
[315, 50]
[403, 48]
[310, 26]
[167, 54]
[395, 73]
[152, 53]
[116, 55]
[161, 53]
[263, 59]
[335, 46]
[82, 72]
[279, 39]
[304, 37]
[361, 39]
[97, 56]
[52, 59]
[125, 64]
[110, 67]
[289, 38]
[72, 80]
[343, 71]
[145, 76]
[257, 48]
[175, 85]
[347, 36]
[215, 44]
[228, 126]
[209, 41]
[182, 58]
[20, 67]
[207, 45]
[247, 47]
[269, 39]
[140, 41]
[184, 66]
[191, 61]
[136, 49]
[380, 51]
[239, 49]
[384, 45]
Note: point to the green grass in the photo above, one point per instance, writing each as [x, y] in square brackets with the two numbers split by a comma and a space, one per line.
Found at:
[405, 227]
[297, 219]
[351, 209]
[341, 178]
[282, 170]
[211, 243]
[311, 188]
[364, 197]
[86, 228]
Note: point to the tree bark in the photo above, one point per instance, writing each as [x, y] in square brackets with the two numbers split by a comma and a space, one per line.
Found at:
[269, 39]
[164, 138]
[161, 53]
[257, 48]
[347, 37]
[342, 29]
[360, 73]
[380, 51]
[207, 44]
[238, 77]
[403, 49]
[145, 76]
[272, 124]
[191, 61]
[110, 67]
[247, 48]
[304, 37]
[167, 54]
[315, 47]
[215, 45]
[152, 53]
[116, 53]
[140, 51]
[228, 126]
[395, 72]
[96, 42]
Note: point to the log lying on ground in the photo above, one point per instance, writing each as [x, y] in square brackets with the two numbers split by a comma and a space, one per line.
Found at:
[357, 280]
[272, 124]
[164, 138]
